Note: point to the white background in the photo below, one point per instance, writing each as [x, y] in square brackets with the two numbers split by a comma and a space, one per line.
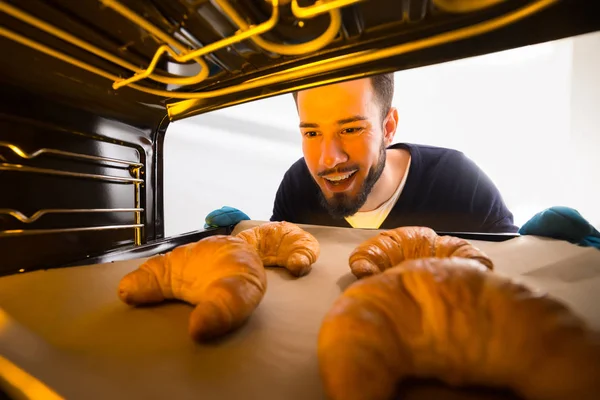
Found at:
[529, 117]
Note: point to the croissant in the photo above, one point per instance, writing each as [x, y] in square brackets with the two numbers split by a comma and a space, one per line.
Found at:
[451, 320]
[283, 244]
[221, 275]
[391, 247]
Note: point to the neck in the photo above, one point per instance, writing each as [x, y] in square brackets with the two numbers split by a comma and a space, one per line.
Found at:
[395, 167]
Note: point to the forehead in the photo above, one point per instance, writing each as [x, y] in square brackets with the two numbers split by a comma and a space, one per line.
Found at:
[338, 101]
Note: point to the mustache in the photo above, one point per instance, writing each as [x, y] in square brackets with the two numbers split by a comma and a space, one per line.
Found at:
[337, 170]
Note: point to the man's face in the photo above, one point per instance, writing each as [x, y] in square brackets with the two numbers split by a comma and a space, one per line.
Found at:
[343, 142]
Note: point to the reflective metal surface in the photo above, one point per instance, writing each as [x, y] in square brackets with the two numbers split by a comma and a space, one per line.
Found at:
[78, 140]
[135, 169]
[203, 55]
[24, 232]
[25, 168]
[39, 214]
[39, 152]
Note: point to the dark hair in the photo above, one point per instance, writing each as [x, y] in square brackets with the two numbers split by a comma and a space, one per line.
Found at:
[383, 87]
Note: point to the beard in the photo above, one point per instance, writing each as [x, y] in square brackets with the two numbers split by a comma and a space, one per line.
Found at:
[342, 205]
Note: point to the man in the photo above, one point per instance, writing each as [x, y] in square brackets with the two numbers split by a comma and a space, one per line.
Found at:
[351, 175]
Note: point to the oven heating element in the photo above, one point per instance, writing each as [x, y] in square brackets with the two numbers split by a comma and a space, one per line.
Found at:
[181, 52]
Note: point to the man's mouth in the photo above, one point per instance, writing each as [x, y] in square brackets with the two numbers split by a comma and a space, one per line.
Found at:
[339, 178]
[340, 182]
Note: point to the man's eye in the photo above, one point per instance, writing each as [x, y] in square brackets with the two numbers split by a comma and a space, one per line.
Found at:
[310, 134]
[350, 131]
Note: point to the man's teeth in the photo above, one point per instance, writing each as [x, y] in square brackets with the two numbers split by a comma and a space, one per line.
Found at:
[339, 177]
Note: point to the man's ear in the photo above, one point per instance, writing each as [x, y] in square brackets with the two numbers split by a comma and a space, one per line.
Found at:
[389, 126]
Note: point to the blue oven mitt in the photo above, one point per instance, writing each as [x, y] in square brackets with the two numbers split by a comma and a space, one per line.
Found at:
[224, 216]
[562, 223]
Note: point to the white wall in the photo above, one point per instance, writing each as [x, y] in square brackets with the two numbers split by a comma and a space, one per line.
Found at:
[583, 164]
[529, 117]
[228, 157]
[509, 112]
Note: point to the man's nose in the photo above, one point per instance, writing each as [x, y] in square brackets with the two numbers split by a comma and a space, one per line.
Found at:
[332, 153]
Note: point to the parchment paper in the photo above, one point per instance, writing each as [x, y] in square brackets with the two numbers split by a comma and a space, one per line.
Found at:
[68, 328]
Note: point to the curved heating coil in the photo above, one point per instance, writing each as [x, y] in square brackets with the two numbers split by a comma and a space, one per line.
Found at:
[320, 7]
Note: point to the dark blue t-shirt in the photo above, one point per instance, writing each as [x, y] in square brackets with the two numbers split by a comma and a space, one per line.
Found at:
[445, 191]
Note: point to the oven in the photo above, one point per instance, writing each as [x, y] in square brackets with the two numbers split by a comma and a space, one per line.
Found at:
[88, 90]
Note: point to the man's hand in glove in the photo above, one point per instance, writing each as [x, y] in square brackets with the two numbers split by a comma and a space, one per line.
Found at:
[224, 216]
[562, 223]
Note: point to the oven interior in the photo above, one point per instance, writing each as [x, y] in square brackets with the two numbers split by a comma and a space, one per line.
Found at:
[88, 89]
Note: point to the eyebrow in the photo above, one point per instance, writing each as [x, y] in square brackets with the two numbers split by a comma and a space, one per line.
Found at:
[339, 122]
[308, 125]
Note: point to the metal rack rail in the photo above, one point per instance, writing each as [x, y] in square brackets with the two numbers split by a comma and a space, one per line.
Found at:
[134, 168]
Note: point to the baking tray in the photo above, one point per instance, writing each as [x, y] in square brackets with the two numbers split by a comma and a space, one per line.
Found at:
[67, 327]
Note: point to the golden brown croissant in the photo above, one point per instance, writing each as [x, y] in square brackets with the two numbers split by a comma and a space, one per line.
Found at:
[451, 320]
[391, 247]
[283, 244]
[221, 275]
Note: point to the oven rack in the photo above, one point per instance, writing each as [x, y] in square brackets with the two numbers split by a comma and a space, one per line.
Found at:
[135, 169]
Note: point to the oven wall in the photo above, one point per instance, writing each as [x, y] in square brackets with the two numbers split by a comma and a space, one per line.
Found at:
[32, 122]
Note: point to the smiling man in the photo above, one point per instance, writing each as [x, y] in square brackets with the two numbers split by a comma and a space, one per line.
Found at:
[352, 176]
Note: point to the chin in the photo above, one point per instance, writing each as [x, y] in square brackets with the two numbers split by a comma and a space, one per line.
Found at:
[336, 198]
[341, 205]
